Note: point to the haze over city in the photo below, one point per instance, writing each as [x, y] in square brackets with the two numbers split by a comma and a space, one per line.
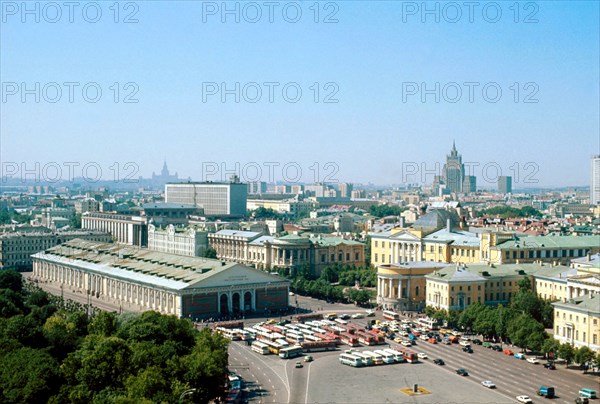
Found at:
[396, 84]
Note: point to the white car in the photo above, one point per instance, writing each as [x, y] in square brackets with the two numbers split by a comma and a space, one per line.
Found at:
[464, 342]
[370, 313]
[358, 315]
[524, 399]
[406, 343]
[422, 355]
[489, 384]
[533, 360]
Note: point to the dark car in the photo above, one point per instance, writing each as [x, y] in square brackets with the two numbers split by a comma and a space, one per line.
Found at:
[439, 361]
[468, 349]
[582, 400]
[462, 372]
[497, 348]
[477, 342]
[549, 365]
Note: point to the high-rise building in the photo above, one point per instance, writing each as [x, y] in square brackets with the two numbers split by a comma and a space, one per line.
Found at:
[504, 184]
[454, 171]
[257, 187]
[217, 198]
[595, 181]
[470, 184]
[345, 190]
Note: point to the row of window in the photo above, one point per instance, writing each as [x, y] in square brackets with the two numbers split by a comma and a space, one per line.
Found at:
[548, 254]
[566, 332]
[564, 316]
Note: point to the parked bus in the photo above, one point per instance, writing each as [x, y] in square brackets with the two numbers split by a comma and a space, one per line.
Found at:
[340, 321]
[349, 339]
[365, 338]
[274, 347]
[230, 324]
[229, 333]
[387, 357]
[290, 352]
[377, 359]
[351, 360]
[379, 339]
[294, 337]
[391, 315]
[260, 347]
[366, 359]
[315, 346]
[398, 356]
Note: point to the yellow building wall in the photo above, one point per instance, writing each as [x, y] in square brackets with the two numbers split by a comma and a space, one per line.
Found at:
[582, 323]
[551, 290]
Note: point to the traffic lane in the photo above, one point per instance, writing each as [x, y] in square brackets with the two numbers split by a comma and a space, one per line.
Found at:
[298, 378]
[266, 371]
[511, 374]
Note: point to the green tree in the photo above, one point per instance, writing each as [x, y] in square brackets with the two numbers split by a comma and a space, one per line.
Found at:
[525, 284]
[566, 352]
[583, 356]
[550, 347]
[11, 279]
[210, 253]
[522, 330]
[28, 375]
[104, 324]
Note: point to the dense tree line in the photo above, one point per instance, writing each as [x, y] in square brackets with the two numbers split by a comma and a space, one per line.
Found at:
[506, 212]
[54, 351]
[11, 216]
[334, 283]
[522, 323]
[386, 210]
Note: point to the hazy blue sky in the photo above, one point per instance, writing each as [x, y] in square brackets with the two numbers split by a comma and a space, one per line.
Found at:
[370, 57]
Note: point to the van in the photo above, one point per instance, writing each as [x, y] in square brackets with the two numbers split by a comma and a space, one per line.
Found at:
[331, 316]
[547, 392]
[588, 393]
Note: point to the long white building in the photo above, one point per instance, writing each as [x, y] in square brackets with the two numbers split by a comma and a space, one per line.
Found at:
[139, 279]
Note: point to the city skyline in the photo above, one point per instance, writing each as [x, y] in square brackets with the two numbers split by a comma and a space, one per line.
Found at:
[380, 90]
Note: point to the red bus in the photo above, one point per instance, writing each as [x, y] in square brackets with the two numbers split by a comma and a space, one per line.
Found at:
[365, 338]
[349, 339]
[230, 324]
[410, 356]
[315, 346]
[302, 318]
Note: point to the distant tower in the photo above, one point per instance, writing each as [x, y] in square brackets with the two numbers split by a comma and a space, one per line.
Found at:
[595, 181]
[504, 184]
[165, 171]
[454, 171]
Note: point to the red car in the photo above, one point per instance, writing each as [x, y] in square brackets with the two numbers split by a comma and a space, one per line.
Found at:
[508, 352]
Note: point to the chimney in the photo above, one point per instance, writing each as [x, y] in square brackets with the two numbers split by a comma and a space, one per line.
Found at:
[448, 225]
[402, 224]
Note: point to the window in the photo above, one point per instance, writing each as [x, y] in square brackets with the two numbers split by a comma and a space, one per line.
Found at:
[430, 248]
[383, 244]
[347, 256]
[440, 250]
[468, 287]
[478, 287]
[340, 256]
[595, 338]
[323, 257]
[583, 336]
[356, 255]
[507, 255]
[376, 242]
[376, 259]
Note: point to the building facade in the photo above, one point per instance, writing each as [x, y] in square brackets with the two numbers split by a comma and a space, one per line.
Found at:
[139, 279]
[217, 199]
[595, 181]
[402, 286]
[16, 248]
[132, 230]
[577, 321]
[188, 241]
[291, 251]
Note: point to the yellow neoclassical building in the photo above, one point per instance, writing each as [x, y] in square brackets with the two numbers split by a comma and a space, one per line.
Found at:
[578, 321]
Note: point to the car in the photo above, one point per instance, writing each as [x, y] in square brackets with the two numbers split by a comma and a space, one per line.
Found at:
[519, 355]
[497, 348]
[398, 340]
[406, 343]
[524, 399]
[299, 364]
[439, 361]
[535, 361]
[487, 344]
[345, 316]
[308, 358]
[370, 313]
[477, 341]
[465, 342]
[422, 355]
[489, 384]
[358, 315]
[468, 349]
[549, 365]
[582, 400]
[432, 340]
[462, 372]
[446, 341]
[508, 352]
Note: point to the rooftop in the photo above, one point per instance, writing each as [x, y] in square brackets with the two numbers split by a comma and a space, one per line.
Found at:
[535, 242]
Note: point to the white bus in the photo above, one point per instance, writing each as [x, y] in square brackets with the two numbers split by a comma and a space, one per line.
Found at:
[294, 337]
[340, 321]
[391, 315]
[377, 359]
[428, 323]
[386, 356]
[290, 352]
[398, 356]
[351, 360]
[366, 359]
[260, 347]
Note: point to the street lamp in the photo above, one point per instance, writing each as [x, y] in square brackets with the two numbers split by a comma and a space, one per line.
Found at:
[186, 393]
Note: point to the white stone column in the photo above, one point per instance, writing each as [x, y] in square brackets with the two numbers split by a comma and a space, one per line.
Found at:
[399, 288]
[403, 252]
[230, 301]
[390, 293]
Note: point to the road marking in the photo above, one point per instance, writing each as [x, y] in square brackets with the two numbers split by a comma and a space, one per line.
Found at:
[307, 382]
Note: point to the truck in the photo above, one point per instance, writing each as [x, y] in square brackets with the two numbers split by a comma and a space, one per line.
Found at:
[547, 392]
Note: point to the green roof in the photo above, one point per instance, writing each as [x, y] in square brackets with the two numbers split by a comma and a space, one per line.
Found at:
[480, 272]
[585, 303]
[551, 242]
